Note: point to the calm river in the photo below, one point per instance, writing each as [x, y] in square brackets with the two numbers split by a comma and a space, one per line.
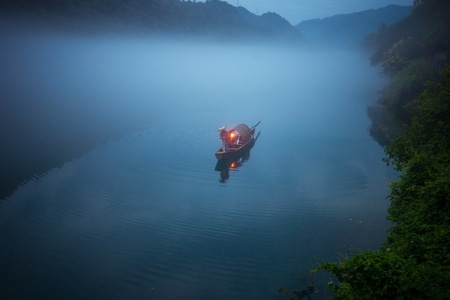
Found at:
[145, 215]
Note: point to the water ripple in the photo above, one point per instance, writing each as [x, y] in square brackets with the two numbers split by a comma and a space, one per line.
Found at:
[147, 217]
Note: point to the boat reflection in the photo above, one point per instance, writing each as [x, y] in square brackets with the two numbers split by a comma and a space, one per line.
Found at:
[224, 166]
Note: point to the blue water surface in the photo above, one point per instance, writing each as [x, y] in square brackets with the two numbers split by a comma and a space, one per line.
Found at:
[146, 216]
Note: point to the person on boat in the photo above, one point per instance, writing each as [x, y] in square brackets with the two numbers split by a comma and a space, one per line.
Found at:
[225, 139]
[235, 139]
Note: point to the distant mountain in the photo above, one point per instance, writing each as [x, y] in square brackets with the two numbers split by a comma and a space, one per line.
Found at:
[211, 18]
[271, 23]
[350, 29]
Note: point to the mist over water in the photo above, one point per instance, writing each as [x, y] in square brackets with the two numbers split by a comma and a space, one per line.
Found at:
[135, 207]
[137, 77]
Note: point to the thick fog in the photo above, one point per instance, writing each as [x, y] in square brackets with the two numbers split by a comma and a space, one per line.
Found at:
[62, 95]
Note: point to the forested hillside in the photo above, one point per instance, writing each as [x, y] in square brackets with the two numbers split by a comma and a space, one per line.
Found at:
[210, 18]
[411, 52]
[350, 29]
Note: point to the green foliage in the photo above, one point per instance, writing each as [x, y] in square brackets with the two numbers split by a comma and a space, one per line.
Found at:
[414, 262]
[429, 131]
[372, 275]
[411, 52]
[386, 275]
[420, 35]
[395, 106]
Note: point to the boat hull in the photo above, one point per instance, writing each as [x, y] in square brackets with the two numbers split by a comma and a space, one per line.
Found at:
[247, 135]
[233, 152]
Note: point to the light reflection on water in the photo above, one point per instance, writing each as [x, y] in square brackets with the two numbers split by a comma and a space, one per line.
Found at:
[146, 217]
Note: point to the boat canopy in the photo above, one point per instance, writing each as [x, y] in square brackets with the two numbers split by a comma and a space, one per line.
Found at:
[244, 131]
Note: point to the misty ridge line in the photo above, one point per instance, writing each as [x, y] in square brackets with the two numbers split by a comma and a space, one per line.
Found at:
[216, 20]
[213, 19]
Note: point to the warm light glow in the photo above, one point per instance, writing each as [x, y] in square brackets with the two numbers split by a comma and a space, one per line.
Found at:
[231, 135]
[233, 165]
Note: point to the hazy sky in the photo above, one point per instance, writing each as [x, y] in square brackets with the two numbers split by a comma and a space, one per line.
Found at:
[296, 11]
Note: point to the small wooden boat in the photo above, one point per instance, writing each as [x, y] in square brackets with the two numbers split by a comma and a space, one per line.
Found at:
[241, 139]
[224, 166]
